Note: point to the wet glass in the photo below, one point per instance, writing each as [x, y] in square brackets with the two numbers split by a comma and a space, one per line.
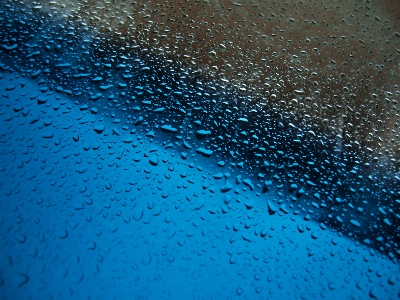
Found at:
[199, 149]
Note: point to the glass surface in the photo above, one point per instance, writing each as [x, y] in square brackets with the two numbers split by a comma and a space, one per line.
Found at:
[199, 149]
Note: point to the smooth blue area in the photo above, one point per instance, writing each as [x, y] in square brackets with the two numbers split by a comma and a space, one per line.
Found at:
[88, 214]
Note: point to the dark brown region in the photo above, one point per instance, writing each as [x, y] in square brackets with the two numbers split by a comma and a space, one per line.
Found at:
[341, 54]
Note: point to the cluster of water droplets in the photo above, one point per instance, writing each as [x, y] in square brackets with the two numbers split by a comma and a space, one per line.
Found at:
[248, 112]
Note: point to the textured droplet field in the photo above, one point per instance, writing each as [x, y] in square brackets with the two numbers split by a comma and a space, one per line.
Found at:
[136, 164]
